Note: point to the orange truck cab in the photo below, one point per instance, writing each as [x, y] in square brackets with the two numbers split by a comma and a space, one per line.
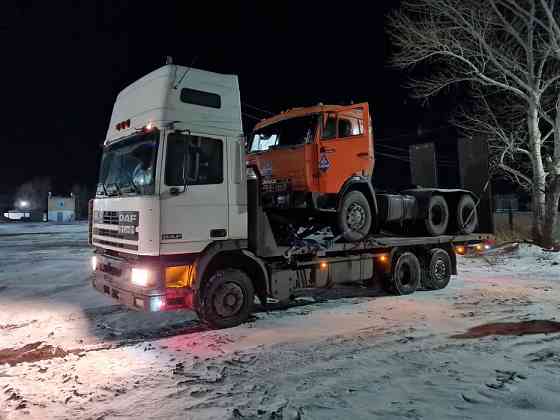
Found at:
[316, 163]
[314, 149]
[307, 156]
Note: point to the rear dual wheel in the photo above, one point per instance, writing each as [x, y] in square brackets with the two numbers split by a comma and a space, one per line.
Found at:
[437, 219]
[467, 217]
[438, 271]
[406, 274]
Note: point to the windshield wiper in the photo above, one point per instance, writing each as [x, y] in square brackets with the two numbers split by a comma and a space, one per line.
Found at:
[117, 189]
[104, 189]
[132, 184]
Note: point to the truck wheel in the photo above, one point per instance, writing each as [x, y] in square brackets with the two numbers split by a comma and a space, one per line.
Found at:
[226, 299]
[354, 217]
[438, 216]
[406, 274]
[438, 272]
[465, 222]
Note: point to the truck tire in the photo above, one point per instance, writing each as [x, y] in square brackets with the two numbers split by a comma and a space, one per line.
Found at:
[438, 216]
[406, 275]
[354, 217]
[438, 272]
[226, 299]
[465, 222]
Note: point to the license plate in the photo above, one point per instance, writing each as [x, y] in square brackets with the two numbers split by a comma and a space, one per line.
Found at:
[127, 230]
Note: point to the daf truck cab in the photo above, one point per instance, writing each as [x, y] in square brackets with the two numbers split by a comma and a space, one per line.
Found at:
[172, 180]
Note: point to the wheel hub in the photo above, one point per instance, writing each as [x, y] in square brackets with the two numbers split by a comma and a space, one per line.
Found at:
[228, 300]
[440, 270]
[356, 217]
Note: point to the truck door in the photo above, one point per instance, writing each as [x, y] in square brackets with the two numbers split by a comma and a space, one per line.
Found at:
[194, 192]
[345, 147]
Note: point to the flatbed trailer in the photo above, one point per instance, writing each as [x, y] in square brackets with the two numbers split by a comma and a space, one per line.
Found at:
[259, 266]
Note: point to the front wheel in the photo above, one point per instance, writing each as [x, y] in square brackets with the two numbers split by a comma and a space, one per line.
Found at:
[354, 218]
[226, 299]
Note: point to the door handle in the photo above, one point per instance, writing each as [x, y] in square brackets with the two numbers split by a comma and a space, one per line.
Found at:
[363, 155]
[325, 150]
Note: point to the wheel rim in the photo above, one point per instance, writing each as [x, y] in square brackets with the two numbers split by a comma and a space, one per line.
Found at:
[440, 270]
[228, 300]
[356, 216]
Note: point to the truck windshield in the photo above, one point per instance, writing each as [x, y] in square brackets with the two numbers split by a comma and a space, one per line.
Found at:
[128, 166]
[290, 132]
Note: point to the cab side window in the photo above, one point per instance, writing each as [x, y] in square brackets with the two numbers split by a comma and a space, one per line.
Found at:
[351, 123]
[344, 128]
[343, 124]
[195, 159]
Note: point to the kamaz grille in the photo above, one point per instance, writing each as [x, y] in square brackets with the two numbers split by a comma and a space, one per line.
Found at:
[111, 217]
[281, 186]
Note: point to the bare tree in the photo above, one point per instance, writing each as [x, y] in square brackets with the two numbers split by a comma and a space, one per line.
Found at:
[506, 53]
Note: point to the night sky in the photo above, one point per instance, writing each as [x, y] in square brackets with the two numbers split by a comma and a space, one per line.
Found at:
[64, 62]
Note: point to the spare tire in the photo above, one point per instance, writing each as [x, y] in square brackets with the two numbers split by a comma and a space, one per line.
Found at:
[437, 218]
[467, 217]
[354, 218]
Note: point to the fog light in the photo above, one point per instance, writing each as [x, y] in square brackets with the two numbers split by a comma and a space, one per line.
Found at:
[140, 277]
[323, 265]
[383, 258]
[460, 250]
[94, 263]
[156, 303]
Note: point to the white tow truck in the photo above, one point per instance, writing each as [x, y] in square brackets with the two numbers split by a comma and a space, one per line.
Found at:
[177, 221]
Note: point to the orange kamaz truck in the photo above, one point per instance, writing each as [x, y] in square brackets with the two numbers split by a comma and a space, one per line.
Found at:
[316, 166]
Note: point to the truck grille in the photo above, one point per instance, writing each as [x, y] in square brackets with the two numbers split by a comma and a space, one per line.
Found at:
[111, 217]
[115, 244]
[115, 234]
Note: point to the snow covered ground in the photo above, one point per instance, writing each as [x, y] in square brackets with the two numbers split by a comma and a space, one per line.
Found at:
[356, 354]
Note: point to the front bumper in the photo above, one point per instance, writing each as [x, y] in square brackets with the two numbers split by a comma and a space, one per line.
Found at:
[112, 278]
[131, 299]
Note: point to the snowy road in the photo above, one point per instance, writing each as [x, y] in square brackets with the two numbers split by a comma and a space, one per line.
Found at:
[359, 357]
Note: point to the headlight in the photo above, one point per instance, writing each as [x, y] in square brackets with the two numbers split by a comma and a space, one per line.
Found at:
[140, 277]
[94, 263]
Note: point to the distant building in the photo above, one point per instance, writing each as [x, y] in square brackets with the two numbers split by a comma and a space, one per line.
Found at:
[61, 209]
[506, 202]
